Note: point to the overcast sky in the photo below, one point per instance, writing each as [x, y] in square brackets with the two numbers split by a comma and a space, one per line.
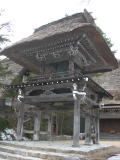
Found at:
[26, 15]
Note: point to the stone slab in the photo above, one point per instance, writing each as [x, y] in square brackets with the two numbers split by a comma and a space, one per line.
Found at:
[58, 146]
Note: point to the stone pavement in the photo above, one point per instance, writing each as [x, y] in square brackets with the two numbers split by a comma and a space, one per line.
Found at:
[56, 150]
[61, 146]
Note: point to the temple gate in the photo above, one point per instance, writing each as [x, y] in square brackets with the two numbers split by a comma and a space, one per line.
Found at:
[62, 53]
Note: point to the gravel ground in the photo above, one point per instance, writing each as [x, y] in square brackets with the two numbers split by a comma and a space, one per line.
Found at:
[115, 143]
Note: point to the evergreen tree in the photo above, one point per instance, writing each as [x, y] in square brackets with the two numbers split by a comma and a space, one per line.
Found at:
[4, 28]
[108, 40]
[3, 39]
[3, 72]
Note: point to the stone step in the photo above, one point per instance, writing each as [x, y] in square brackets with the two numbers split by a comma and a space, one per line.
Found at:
[63, 148]
[45, 150]
[3, 158]
[27, 154]
[11, 156]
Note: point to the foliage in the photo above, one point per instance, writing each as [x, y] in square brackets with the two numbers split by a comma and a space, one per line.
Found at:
[31, 74]
[3, 123]
[4, 27]
[66, 15]
[64, 123]
[44, 125]
[108, 40]
[68, 130]
[3, 72]
[16, 81]
[12, 93]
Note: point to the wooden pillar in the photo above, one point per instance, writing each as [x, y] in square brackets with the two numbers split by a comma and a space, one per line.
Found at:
[71, 66]
[37, 121]
[20, 121]
[42, 68]
[50, 126]
[97, 126]
[88, 127]
[76, 130]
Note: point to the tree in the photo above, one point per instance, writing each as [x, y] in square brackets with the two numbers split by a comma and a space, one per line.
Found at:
[108, 40]
[4, 27]
[4, 30]
[3, 72]
[85, 1]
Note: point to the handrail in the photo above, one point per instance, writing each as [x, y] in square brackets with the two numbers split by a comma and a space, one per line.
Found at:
[54, 76]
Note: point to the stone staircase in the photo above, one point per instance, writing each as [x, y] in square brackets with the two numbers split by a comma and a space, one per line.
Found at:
[15, 152]
[31, 151]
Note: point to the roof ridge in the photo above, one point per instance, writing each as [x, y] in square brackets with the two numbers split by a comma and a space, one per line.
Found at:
[59, 21]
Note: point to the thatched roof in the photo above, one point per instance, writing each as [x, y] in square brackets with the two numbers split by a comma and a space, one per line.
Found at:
[60, 33]
[110, 81]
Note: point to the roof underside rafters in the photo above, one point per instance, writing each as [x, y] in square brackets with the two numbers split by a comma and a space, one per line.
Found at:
[80, 48]
[69, 37]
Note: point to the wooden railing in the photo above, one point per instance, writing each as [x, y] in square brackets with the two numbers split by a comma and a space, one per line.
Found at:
[58, 75]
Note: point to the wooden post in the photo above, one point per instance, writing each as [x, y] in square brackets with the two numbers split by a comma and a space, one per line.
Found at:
[20, 121]
[42, 68]
[76, 130]
[37, 121]
[50, 126]
[71, 66]
[88, 128]
[97, 126]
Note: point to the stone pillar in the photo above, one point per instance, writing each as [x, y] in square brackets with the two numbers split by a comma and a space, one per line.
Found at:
[37, 121]
[76, 130]
[97, 126]
[50, 126]
[88, 127]
[20, 121]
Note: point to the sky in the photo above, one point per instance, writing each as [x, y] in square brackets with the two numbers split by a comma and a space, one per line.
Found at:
[27, 15]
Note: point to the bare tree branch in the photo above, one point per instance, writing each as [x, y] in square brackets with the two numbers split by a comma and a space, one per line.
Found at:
[85, 1]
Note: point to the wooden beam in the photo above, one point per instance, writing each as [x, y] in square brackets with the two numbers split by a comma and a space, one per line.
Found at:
[89, 102]
[49, 87]
[82, 135]
[32, 132]
[41, 132]
[68, 97]
[20, 121]
[27, 131]
[57, 106]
